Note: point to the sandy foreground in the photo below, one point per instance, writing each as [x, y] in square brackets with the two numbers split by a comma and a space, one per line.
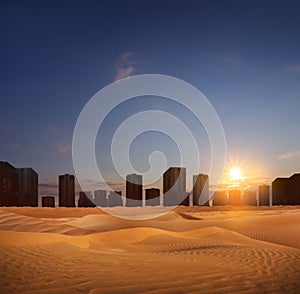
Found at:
[200, 250]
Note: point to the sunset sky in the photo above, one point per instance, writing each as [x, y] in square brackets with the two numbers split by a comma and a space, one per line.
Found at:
[244, 56]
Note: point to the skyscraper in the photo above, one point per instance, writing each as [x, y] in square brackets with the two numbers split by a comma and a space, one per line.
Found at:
[200, 190]
[115, 199]
[234, 197]
[8, 185]
[152, 197]
[174, 187]
[264, 195]
[66, 190]
[18, 186]
[28, 187]
[220, 198]
[286, 191]
[280, 191]
[85, 199]
[134, 190]
[249, 198]
[100, 198]
[295, 189]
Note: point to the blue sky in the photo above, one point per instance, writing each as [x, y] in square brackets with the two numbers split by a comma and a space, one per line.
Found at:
[243, 55]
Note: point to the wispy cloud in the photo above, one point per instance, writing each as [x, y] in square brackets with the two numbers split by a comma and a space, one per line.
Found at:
[48, 185]
[48, 188]
[92, 185]
[63, 147]
[293, 68]
[124, 66]
[289, 155]
[104, 185]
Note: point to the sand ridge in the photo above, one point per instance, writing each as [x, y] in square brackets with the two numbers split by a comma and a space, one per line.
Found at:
[184, 251]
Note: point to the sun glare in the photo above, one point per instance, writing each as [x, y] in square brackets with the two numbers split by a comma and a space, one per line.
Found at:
[235, 173]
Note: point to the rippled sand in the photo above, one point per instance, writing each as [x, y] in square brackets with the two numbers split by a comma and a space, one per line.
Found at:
[201, 250]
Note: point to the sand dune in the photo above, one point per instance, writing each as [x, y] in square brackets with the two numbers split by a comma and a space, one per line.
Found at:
[184, 251]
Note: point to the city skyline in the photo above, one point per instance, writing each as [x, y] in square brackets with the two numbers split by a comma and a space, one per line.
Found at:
[249, 72]
[150, 146]
[19, 187]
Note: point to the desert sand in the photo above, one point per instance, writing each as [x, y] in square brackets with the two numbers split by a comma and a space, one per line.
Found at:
[187, 250]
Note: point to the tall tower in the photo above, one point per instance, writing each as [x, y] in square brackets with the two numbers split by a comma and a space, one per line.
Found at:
[28, 186]
[220, 198]
[249, 198]
[234, 197]
[67, 190]
[280, 191]
[100, 198]
[152, 197]
[264, 195]
[134, 190]
[174, 187]
[8, 185]
[85, 199]
[200, 190]
[115, 199]
[295, 189]
[286, 191]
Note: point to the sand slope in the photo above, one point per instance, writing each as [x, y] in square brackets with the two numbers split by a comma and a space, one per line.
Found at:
[184, 251]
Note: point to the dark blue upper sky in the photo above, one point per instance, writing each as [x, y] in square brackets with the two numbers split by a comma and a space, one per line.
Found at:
[243, 55]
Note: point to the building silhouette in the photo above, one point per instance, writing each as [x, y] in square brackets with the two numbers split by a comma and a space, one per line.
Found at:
[264, 195]
[28, 187]
[115, 199]
[134, 190]
[295, 189]
[234, 197]
[200, 190]
[280, 191]
[48, 201]
[220, 198]
[174, 187]
[85, 199]
[100, 198]
[249, 198]
[286, 191]
[18, 186]
[152, 197]
[8, 185]
[66, 190]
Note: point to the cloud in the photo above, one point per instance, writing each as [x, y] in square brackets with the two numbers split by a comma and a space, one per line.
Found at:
[124, 72]
[104, 185]
[124, 66]
[289, 155]
[92, 185]
[47, 185]
[63, 147]
[293, 68]
[50, 189]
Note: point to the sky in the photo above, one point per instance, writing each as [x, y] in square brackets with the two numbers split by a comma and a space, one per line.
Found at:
[244, 56]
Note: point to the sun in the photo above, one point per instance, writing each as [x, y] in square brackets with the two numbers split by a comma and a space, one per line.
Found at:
[235, 174]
